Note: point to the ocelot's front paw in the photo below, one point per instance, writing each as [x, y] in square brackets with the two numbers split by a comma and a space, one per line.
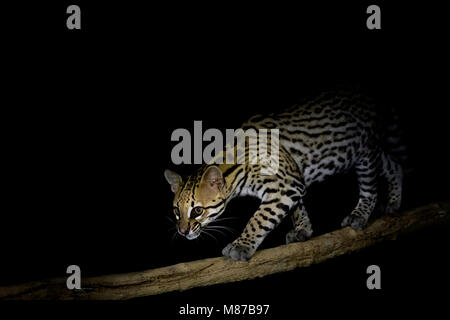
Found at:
[355, 221]
[238, 251]
[297, 236]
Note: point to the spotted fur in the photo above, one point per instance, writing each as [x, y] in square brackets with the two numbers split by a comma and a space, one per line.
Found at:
[332, 133]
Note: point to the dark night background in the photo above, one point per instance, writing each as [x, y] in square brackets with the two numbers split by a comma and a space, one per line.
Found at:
[87, 117]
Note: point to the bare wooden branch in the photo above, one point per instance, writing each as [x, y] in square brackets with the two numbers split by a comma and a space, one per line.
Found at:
[212, 271]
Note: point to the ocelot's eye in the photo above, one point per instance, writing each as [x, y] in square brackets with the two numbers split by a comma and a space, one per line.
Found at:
[197, 211]
[176, 211]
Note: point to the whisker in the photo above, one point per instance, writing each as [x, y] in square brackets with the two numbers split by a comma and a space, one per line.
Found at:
[222, 233]
[223, 227]
[232, 231]
[170, 219]
[223, 219]
[209, 234]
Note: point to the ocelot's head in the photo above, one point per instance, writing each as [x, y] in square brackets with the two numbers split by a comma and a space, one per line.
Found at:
[198, 201]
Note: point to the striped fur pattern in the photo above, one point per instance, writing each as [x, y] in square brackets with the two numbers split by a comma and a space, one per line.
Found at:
[332, 133]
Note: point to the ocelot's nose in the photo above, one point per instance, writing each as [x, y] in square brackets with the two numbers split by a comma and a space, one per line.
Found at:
[184, 230]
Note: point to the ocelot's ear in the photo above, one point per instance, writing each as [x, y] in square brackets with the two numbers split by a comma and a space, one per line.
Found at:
[173, 179]
[213, 178]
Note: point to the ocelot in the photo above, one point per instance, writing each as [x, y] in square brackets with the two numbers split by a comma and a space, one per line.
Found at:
[333, 132]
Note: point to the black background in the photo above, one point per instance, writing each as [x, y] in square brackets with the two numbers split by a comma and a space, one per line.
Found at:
[88, 116]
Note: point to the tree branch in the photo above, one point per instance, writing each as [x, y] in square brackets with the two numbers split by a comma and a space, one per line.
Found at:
[212, 271]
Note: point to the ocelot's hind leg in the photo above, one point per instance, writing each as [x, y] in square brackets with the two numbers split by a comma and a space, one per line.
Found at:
[393, 173]
[367, 170]
[302, 225]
